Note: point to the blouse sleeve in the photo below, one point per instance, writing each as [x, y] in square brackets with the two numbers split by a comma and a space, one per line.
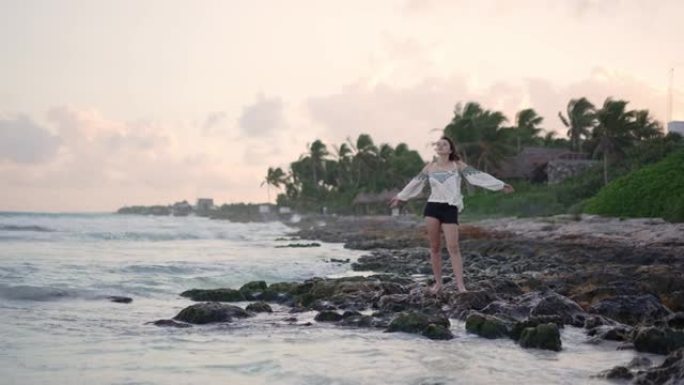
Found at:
[482, 179]
[414, 187]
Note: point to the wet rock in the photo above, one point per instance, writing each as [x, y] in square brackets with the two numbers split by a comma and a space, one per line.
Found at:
[322, 305]
[361, 321]
[671, 372]
[676, 320]
[460, 304]
[251, 290]
[210, 312]
[416, 322]
[631, 310]
[674, 300]
[335, 260]
[259, 307]
[533, 304]
[169, 323]
[312, 244]
[328, 316]
[437, 332]
[554, 304]
[611, 333]
[545, 336]
[218, 295]
[617, 373]
[393, 303]
[119, 299]
[486, 326]
[532, 322]
[658, 340]
[640, 363]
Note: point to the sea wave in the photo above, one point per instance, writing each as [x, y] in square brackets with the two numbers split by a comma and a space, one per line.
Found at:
[36, 293]
[25, 228]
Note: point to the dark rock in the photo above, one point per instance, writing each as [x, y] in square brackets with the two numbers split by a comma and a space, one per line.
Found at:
[312, 244]
[486, 326]
[322, 305]
[631, 310]
[203, 313]
[676, 320]
[671, 372]
[461, 304]
[554, 304]
[254, 286]
[437, 332]
[416, 322]
[393, 303]
[545, 336]
[640, 363]
[362, 321]
[283, 287]
[518, 327]
[351, 313]
[658, 340]
[170, 323]
[259, 307]
[328, 316]
[674, 300]
[617, 373]
[611, 333]
[119, 299]
[218, 295]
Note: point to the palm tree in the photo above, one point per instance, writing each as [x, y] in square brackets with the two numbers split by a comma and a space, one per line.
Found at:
[274, 177]
[645, 126]
[317, 151]
[526, 128]
[479, 134]
[612, 134]
[580, 118]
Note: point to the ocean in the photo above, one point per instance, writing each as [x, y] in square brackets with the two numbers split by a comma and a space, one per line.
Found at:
[58, 327]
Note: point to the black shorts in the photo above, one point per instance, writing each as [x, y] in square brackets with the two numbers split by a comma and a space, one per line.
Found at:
[445, 212]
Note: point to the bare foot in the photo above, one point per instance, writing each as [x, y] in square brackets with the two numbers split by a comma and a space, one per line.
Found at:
[434, 289]
[462, 290]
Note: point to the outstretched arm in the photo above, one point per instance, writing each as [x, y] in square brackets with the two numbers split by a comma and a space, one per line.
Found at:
[482, 179]
[412, 189]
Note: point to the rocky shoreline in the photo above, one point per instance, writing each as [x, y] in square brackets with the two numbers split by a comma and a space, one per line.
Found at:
[527, 279]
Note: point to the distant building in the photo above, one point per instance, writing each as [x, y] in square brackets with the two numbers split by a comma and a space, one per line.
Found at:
[181, 209]
[676, 126]
[374, 203]
[532, 163]
[204, 206]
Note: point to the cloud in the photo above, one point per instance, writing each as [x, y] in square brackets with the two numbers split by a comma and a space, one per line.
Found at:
[262, 117]
[213, 119]
[24, 141]
[393, 114]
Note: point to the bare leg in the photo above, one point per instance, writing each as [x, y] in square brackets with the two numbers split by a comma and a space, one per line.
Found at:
[451, 236]
[433, 230]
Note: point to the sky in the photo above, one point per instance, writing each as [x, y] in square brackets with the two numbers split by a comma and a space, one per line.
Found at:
[105, 104]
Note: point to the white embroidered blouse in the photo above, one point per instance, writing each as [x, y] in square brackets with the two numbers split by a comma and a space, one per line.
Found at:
[445, 186]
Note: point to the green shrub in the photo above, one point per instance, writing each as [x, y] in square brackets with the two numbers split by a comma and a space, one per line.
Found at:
[656, 190]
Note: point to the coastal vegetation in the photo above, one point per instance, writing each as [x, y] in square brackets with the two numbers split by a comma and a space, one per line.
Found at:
[652, 191]
[620, 139]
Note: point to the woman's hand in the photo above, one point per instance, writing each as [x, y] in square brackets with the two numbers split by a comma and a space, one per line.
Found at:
[394, 202]
[507, 188]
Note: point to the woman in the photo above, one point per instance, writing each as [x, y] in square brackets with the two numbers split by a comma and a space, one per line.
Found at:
[445, 203]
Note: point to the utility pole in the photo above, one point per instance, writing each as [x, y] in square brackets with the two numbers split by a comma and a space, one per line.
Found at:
[668, 116]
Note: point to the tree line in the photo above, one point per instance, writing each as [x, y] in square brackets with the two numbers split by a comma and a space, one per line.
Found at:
[618, 136]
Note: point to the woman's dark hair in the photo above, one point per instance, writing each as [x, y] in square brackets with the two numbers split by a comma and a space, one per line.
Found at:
[453, 156]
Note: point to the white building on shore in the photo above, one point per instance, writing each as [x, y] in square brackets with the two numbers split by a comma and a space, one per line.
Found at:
[676, 126]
